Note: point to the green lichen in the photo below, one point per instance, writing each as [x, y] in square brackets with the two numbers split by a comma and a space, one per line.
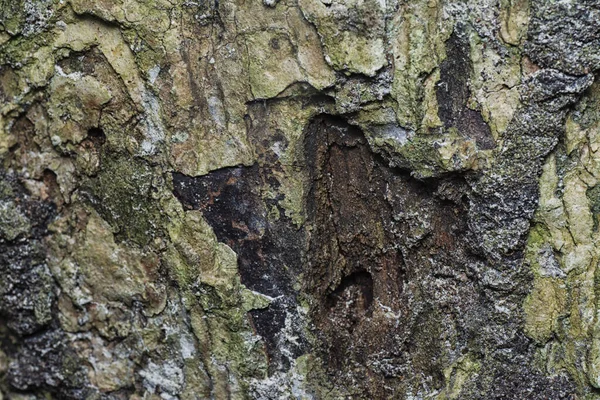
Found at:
[593, 195]
[12, 221]
[206, 272]
[514, 19]
[543, 308]
[456, 375]
[272, 64]
[74, 108]
[418, 47]
[123, 193]
[12, 16]
[561, 250]
[351, 34]
[426, 156]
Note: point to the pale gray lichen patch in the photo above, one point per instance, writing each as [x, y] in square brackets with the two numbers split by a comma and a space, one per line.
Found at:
[164, 378]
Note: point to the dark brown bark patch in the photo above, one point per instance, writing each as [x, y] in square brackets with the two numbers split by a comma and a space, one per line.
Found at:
[453, 93]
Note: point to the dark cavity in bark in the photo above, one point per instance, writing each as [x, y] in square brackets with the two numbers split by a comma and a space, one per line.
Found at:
[387, 264]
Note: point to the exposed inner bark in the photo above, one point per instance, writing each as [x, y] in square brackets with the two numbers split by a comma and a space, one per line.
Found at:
[377, 240]
[385, 257]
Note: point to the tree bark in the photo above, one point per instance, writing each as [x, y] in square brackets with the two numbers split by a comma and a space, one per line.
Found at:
[299, 199]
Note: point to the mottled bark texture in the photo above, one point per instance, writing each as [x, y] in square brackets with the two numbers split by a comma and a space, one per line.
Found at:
[299, 199]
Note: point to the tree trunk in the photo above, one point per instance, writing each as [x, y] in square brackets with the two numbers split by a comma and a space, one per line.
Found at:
[299, 199]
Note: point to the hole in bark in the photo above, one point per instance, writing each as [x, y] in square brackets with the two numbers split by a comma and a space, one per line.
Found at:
[356, 290]
[97, 136]
[51, 184]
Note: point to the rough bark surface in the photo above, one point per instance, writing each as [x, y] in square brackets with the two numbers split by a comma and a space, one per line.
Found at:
[299, 199]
